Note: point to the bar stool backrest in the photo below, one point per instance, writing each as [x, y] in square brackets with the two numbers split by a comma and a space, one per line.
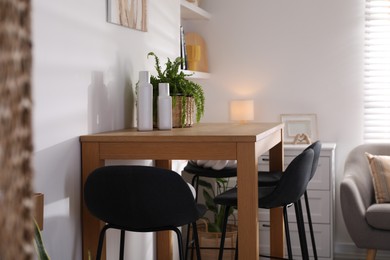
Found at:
[293, 182]
[140, 198]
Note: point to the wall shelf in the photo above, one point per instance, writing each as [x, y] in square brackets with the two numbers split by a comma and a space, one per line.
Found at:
[190, 11]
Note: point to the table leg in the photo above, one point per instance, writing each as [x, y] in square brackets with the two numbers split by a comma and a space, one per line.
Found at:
[276, 215]
[248, 242]
[164, 238]
[166, 164]
[91, 226]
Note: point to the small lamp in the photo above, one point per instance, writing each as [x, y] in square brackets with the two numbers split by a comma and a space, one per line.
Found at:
[242, 110]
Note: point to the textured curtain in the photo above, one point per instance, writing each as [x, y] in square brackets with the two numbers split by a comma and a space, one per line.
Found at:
[16, 206]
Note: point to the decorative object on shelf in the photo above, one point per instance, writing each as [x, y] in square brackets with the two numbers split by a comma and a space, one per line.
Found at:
[185, 94]
[128, 13]
[144, 102]
[198, 49]
[302, 139]
[164, 107]
[298, 124]
[242, 110]
[183, 50]
[193, 56]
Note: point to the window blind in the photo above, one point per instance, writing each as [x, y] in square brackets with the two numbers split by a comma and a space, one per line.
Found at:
[377, 71]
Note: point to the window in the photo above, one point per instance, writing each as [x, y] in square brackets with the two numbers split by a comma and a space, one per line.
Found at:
[377, 71]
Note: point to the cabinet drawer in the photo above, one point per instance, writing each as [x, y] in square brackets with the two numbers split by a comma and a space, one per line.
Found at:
[321, 179]
[321, 234]
[319, 207]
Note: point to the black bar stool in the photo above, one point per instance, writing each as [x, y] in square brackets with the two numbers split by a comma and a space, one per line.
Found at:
[272, 178]
[288, 190]
[141, 199]
[197, 172]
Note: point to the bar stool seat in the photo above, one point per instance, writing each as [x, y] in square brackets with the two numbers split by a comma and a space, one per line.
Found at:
[199, 171]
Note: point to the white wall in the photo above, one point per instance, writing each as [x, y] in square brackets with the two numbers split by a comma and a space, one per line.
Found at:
[74, 46]
[299, 56]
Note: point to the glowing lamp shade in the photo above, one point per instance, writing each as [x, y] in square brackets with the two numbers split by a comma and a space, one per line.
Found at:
[242, 110]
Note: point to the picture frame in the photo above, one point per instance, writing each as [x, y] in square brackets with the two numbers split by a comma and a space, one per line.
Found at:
[128, 13]
[299, 124]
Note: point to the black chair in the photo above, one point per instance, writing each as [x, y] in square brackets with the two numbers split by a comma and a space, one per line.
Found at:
[287, 191]
[197, 172]
[272, 178]
[141, 199]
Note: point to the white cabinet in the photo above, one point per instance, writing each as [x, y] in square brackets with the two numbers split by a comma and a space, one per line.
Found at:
[321, 193]
[322, 233]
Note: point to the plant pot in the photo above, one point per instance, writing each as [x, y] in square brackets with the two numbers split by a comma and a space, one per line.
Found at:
[209, 242]
[179, 84]
[177, 111]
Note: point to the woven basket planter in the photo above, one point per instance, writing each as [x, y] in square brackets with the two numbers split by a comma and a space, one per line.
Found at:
[209, 242]
[177, 111]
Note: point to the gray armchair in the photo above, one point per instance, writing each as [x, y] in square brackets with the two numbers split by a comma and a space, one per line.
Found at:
[367, 223]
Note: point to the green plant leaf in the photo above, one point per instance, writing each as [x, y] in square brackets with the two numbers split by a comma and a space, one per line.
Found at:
[210, 204]
[42, 254]
[222, 181]
[205, 184]
[212, 227]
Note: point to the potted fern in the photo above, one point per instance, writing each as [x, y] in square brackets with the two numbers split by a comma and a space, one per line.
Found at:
[186, 94]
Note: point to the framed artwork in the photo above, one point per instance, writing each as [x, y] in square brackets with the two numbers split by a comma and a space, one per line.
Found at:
[297, 125]
[128, 13]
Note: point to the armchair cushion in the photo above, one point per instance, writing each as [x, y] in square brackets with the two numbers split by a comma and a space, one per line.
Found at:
[380, 173]
[378, 215]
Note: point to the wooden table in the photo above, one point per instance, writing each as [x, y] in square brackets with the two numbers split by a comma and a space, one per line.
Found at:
[224, 141]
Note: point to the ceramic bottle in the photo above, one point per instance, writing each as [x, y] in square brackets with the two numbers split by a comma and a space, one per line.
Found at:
[164, 107]
[144, 102]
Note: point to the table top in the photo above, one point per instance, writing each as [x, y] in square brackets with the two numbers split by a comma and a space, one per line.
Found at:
[221, 132]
